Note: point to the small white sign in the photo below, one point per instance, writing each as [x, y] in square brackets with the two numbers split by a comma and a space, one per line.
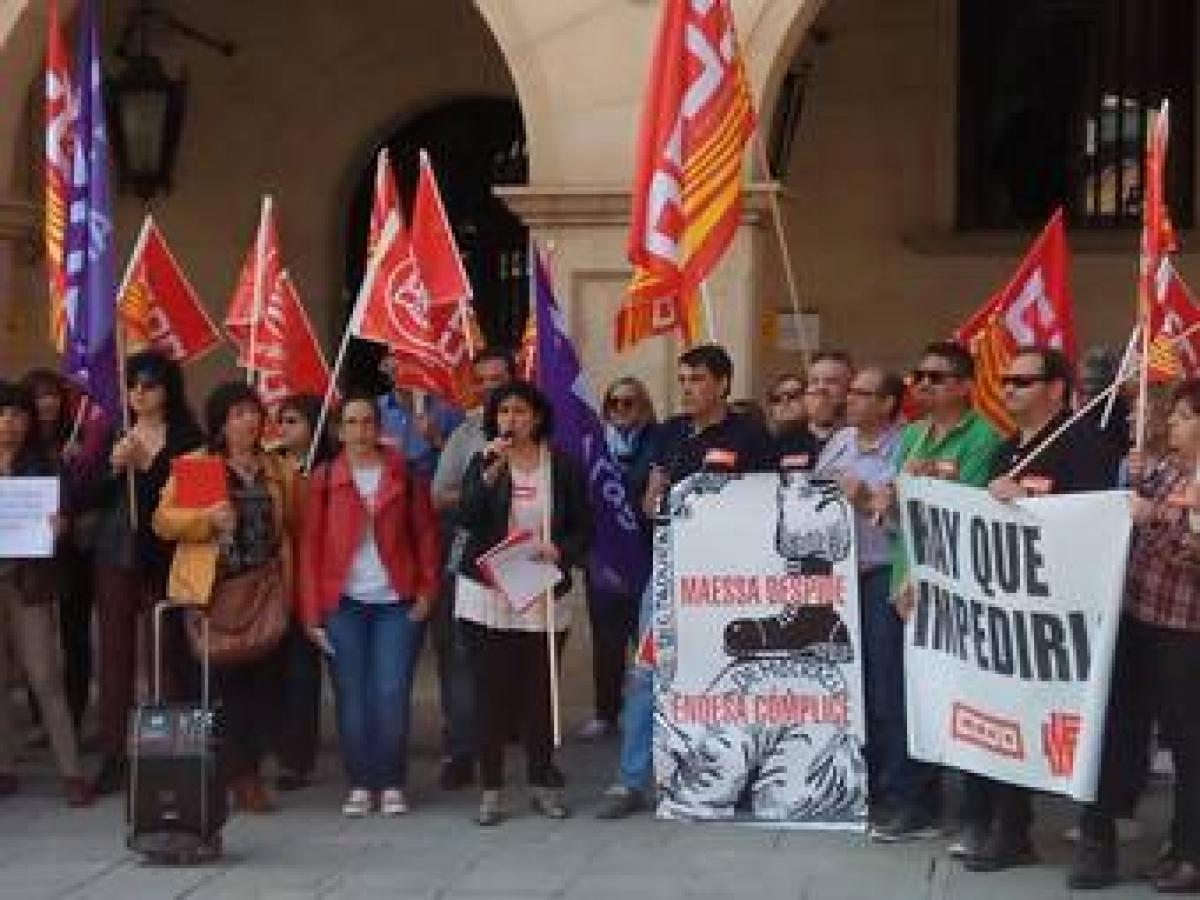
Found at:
[26, 507]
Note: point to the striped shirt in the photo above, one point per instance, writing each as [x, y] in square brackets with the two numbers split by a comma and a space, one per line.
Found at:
[1163, 577]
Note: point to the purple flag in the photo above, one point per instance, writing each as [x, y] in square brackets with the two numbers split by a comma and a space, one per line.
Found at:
[620, 558]
[90, 352]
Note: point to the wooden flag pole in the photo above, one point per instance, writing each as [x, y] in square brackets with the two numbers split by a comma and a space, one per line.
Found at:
[710, 315]
[551, 626]
[789, 272]
[259, 273]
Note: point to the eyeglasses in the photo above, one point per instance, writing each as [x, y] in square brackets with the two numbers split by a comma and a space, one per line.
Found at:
[786, 396]
[862, 392]
[1021, 381]
[933, 376]
[621, 402]
[290, 420]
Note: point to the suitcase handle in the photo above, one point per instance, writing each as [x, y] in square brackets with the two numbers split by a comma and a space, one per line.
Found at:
[160, 609]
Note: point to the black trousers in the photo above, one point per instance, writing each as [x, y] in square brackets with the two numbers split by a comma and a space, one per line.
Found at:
[512, 689]
[75, 625]
[248, 697]
[1155, 676]
[613, 619]
[988, 804]
[298, 726]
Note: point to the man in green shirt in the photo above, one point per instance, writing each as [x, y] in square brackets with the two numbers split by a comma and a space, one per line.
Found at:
[952, 441]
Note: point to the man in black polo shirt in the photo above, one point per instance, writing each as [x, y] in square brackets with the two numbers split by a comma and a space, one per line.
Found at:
[707, 434]
[1037, 388]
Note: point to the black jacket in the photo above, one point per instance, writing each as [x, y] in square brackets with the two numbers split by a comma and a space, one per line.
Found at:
[485, 510]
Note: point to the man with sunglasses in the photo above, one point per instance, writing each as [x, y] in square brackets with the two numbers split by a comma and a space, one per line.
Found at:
[1037, 391]
[951, 441]
[786, 419]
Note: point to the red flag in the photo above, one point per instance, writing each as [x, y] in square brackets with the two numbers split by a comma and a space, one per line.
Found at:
[60, 135]
[1174, 328]
[246, 319]
[1033, 308]
[385, 200]
[687, 189]
[158, 305]
[1158, 237]
[297, 365]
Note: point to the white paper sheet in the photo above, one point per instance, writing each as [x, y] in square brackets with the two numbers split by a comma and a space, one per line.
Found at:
[514, 572]
[26, 505]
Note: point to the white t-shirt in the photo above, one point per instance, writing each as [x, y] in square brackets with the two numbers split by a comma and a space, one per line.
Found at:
[479, 603]
[367, 581]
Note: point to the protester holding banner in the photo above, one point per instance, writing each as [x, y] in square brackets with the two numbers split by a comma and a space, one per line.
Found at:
[630, 427]
[862, 457]
[131, 561]
[707, 433]
[299, 733]
[75, 433]
[1037, 391]
[368, 584]
[418, 427]
[786, 418]
[517, 483]
[28, 594]
[233, 511]
[951, 441]
[492, 367]
[1157, 666]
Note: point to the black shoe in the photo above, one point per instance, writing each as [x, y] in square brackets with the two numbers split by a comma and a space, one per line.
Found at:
[970, 841]
[1001, 851]
[816, 629]
[457, 772]
[907, 825]
[1095, 865]
[112, 776]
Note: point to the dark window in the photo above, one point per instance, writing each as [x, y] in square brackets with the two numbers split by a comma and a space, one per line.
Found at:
[1053, 101]
[473, 145]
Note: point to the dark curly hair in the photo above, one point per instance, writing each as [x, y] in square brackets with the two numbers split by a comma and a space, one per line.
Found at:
[29, 456]
[223, 398]
[521, 390]
[161, 369]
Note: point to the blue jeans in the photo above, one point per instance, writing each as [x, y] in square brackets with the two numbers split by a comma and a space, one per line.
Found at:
[375, 648]
[895, 777]
[637, 717]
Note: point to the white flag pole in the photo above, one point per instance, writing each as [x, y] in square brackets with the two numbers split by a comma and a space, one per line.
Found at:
[260, 251]
[1125, 358]
[119, 333]
[710, 316]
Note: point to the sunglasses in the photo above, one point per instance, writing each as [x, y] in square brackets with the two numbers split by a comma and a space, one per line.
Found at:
[1021, 381]
[933, 376]
[786, 396]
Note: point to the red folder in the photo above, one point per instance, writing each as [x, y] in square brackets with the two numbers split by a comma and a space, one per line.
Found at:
[199, 481]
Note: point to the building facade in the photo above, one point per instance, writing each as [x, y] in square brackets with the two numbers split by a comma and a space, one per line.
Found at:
[897, 154]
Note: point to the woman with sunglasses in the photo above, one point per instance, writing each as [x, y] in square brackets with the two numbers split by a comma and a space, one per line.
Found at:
[28, 591]
[298, 735]
[630, 428]
[248, 536]
[131, 561]
[517, 483]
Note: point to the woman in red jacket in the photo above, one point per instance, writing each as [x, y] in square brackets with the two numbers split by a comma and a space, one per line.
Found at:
[368, 578]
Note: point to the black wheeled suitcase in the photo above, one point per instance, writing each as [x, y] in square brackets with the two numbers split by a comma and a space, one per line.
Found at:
[177, 804]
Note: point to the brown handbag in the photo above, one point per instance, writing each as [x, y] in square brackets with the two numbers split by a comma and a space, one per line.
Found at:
[247, 616]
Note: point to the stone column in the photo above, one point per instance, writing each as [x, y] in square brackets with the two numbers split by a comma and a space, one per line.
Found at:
[584, 229]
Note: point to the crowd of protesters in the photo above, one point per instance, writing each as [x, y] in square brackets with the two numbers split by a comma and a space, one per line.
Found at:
[371, 534]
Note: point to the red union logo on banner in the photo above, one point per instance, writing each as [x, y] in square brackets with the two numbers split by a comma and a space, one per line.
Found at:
[1031, 319]
[1060, 735]
[408, 301]
[986, 731]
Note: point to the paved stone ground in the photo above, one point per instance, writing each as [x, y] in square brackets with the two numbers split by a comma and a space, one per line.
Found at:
[308, 850]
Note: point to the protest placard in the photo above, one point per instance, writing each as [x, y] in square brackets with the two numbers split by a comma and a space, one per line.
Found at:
[758, 688]
[26, 507]
[1009, 646]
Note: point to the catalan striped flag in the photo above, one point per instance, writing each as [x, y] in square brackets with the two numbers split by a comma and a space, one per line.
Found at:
[60, 137]
[1034, 308]
[687, 191]
[1174, 328]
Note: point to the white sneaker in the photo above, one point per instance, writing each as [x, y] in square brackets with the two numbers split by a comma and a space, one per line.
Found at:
[392, 803]
[358, 803]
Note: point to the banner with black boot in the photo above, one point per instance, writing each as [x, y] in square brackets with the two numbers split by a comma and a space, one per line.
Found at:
[758, 689]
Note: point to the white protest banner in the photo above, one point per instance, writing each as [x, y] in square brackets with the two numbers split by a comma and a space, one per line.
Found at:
[26, 505]
[1009, 647]
[758, 690]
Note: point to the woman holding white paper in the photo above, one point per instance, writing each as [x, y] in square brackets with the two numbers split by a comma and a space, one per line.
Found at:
[28, 593]
[517, 483]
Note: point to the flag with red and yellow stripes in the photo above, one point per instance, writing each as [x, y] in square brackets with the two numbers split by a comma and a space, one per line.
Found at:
[1033, 309]
[60, 148]
[1174, 328]
[687, 187]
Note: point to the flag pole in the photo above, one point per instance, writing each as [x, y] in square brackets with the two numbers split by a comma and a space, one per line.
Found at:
[1124, 365]
[259, 273]
[464, 302]
[122, 356]
[547, 502]
[710, 316]
[789, 272]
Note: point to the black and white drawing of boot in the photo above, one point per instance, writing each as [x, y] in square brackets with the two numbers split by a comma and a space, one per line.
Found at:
[814, 630]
